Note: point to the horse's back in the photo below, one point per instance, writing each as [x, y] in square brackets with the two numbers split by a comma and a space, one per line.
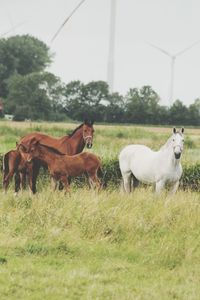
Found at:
[46, 140]
[138, 160]
[41, 137]
[85, 156]
[131, 151]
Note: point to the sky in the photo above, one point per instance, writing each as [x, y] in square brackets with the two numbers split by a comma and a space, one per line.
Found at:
[81, 48]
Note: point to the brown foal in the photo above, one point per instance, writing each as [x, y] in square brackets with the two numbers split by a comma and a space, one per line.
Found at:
[60, 165]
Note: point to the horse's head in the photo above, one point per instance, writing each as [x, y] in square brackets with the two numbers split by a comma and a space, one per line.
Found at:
[178, 142]
[88, 132]
[29, 151]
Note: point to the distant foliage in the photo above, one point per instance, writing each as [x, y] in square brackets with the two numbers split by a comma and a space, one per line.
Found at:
[28, 91]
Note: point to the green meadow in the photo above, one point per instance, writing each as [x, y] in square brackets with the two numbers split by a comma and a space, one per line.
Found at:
[105, 245]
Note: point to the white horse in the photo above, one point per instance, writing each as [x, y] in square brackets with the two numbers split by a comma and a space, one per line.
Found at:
[157, 167]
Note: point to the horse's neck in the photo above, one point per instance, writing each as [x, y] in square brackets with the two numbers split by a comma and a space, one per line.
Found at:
[167, 155]
[47, 156]
[76, 143]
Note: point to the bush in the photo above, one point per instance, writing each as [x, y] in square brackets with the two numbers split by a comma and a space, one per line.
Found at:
[111, 175]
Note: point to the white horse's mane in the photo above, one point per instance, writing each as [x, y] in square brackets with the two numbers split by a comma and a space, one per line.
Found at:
[169, 141]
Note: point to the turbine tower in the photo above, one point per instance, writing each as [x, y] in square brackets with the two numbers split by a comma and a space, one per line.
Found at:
[111, 52]
[173, 59]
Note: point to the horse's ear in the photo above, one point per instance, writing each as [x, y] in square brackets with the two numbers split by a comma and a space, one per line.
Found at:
[174, 130]
[22, 147]
[182, 130]
[33, 141]
[86, 121]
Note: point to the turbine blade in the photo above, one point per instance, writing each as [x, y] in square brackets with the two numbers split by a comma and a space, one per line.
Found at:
[187, 48]
[14, 27]
[66, 20]
[160, 49]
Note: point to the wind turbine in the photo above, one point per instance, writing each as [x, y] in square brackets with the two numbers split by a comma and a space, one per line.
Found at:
[67, 19]
[11, 30]
[173, 59]
[111, 52]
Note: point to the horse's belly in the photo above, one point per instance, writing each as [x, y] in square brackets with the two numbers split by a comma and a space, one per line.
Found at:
[143, 170]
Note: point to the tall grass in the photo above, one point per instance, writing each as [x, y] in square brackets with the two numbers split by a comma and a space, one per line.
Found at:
[100, 246]
[105, 245]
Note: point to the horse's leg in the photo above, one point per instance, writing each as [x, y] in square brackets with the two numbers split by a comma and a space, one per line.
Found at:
[30, 178]
[7, 179]
[127, 181]
[94, 181]
[159, 186]
[90, 183]
[64, 180]
[135, 182]
[60, 186]
[54, 183]
[22, 175]
[35, 166]
[17, 182]
[174, 187]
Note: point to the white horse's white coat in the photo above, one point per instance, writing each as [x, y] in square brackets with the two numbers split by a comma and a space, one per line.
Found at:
[148, 166]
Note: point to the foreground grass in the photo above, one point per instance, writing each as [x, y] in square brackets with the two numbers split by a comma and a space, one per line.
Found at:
[100, 246]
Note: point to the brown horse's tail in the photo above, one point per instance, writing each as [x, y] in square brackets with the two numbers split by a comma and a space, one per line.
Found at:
[10, 162]
[6, 164]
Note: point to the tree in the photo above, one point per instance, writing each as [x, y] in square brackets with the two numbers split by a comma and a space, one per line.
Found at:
[86, 101]
[194, 113]
[142, 105]
[114, 111]
[21, 55]
[178, 113]
[34, 96]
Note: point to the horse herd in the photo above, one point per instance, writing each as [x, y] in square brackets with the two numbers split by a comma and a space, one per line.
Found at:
[65, 159]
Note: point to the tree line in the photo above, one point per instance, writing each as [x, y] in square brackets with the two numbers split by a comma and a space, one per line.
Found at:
[29, 91]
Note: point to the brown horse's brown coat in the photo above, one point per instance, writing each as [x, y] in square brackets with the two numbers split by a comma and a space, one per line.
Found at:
[70, 144]
[61, 166]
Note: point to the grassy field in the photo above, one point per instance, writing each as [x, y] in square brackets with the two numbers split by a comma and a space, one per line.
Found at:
[108, 140]
[105, 245]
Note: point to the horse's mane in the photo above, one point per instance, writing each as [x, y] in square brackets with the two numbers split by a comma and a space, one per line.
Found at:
[168, 142]
[166, 145]
[75, 130]
[52, 150]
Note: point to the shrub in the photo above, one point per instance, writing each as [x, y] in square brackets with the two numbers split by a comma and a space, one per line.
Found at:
[111, 175]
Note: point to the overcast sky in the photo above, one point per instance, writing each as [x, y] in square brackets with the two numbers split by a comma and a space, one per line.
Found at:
[81, 48]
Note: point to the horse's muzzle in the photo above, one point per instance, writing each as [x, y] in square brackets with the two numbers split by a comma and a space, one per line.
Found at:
[177, 155]
[89, 145]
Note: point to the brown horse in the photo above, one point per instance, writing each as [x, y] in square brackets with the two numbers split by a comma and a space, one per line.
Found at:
[71, 144]
[60, 165]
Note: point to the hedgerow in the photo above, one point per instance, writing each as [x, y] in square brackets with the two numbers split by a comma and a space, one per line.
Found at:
[111, 175]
